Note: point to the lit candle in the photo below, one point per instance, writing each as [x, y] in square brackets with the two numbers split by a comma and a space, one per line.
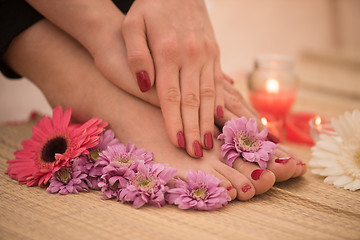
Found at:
[273, 85]
[273, 99]
[319, 126]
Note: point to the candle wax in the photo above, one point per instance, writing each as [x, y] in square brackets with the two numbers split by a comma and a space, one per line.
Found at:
[277, 104]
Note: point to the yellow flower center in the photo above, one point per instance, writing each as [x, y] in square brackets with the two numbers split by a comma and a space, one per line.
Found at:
[143, 181]
[199, 193]
[124, 159]
[245, 142]
[95, 154]
[64, 174]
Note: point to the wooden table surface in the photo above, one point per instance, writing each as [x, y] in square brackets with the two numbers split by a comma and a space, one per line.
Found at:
[303, 208]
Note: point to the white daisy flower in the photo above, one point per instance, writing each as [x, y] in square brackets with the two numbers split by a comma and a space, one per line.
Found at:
[338, 158]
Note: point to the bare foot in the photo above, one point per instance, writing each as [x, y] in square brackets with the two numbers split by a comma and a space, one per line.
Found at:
[66, 74]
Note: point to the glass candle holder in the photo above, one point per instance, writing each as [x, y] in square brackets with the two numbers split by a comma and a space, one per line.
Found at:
[273, 85]
[320, 125]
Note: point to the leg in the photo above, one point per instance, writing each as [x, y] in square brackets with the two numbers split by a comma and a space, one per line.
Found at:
[65, 72]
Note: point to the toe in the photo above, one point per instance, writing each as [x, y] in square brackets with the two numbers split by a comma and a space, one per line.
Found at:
[261, 179]
[243, 186]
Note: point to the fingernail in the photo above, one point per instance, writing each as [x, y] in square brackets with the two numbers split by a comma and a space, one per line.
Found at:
[197, 149]
[257, 173]
[180, 139]
[246, 188]
[143, 81]
[282, 160]
[219, 112]
[208, 140]
[271, 137]
[230, 188]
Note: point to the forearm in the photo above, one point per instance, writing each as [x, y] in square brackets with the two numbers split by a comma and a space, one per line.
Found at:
[97, 26]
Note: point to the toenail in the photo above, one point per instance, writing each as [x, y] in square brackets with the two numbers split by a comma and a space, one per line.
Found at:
[246, 188]
[230, 188]
[257, 173]
[282, 160]
[301, 163]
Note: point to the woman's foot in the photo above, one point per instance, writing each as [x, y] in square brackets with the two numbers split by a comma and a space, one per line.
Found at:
[66, 73]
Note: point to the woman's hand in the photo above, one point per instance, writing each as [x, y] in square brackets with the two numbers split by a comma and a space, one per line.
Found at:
[171, 43]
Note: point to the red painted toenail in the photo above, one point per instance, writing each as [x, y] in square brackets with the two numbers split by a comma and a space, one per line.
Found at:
[257, 173]
[301, 163]
[246, 188]
[282, 160]
[230, 188]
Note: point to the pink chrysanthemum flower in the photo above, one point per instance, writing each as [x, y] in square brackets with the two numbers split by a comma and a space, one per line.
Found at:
[106, 139]
[200, 192]
[114, 179]
[127, 156]
[68, 180]
[241, 138]
[54, 142]
[148, 185]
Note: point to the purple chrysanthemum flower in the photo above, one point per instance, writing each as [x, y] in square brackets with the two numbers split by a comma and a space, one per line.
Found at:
[114, 179]
[127, 156]
[87, 166]
[106, 139]
[241, 138]
[68, 180]
[200, 192]
[148, 185]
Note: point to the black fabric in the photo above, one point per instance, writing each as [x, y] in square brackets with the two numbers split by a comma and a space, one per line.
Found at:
[16, 16]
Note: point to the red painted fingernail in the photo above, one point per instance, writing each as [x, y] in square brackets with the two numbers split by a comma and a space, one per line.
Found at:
[271, 137]
[143, 81]
[230, 188]
[219, 112]
[180, 139]
[246, 188]
[257, 173]
[208, 140]
[197, 149]
[283, 160]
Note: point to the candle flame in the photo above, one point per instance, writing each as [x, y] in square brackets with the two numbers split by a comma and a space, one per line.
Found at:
[318, 121]
[272, 85]
[264, 121]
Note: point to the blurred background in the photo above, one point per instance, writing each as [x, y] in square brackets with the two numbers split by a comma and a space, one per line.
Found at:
[323, 36]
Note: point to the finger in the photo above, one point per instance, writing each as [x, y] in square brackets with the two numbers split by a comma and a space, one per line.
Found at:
[207, 100]
[190, 103]
[138, 53]
[219, 88]
[167, 85]
[228, 78]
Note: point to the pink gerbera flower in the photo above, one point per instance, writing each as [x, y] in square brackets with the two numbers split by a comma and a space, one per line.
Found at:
[148, 185]
[241, 138]
[200, 192]
[54, 142]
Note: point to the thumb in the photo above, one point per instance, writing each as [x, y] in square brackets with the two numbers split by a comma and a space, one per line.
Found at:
[138, 53]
